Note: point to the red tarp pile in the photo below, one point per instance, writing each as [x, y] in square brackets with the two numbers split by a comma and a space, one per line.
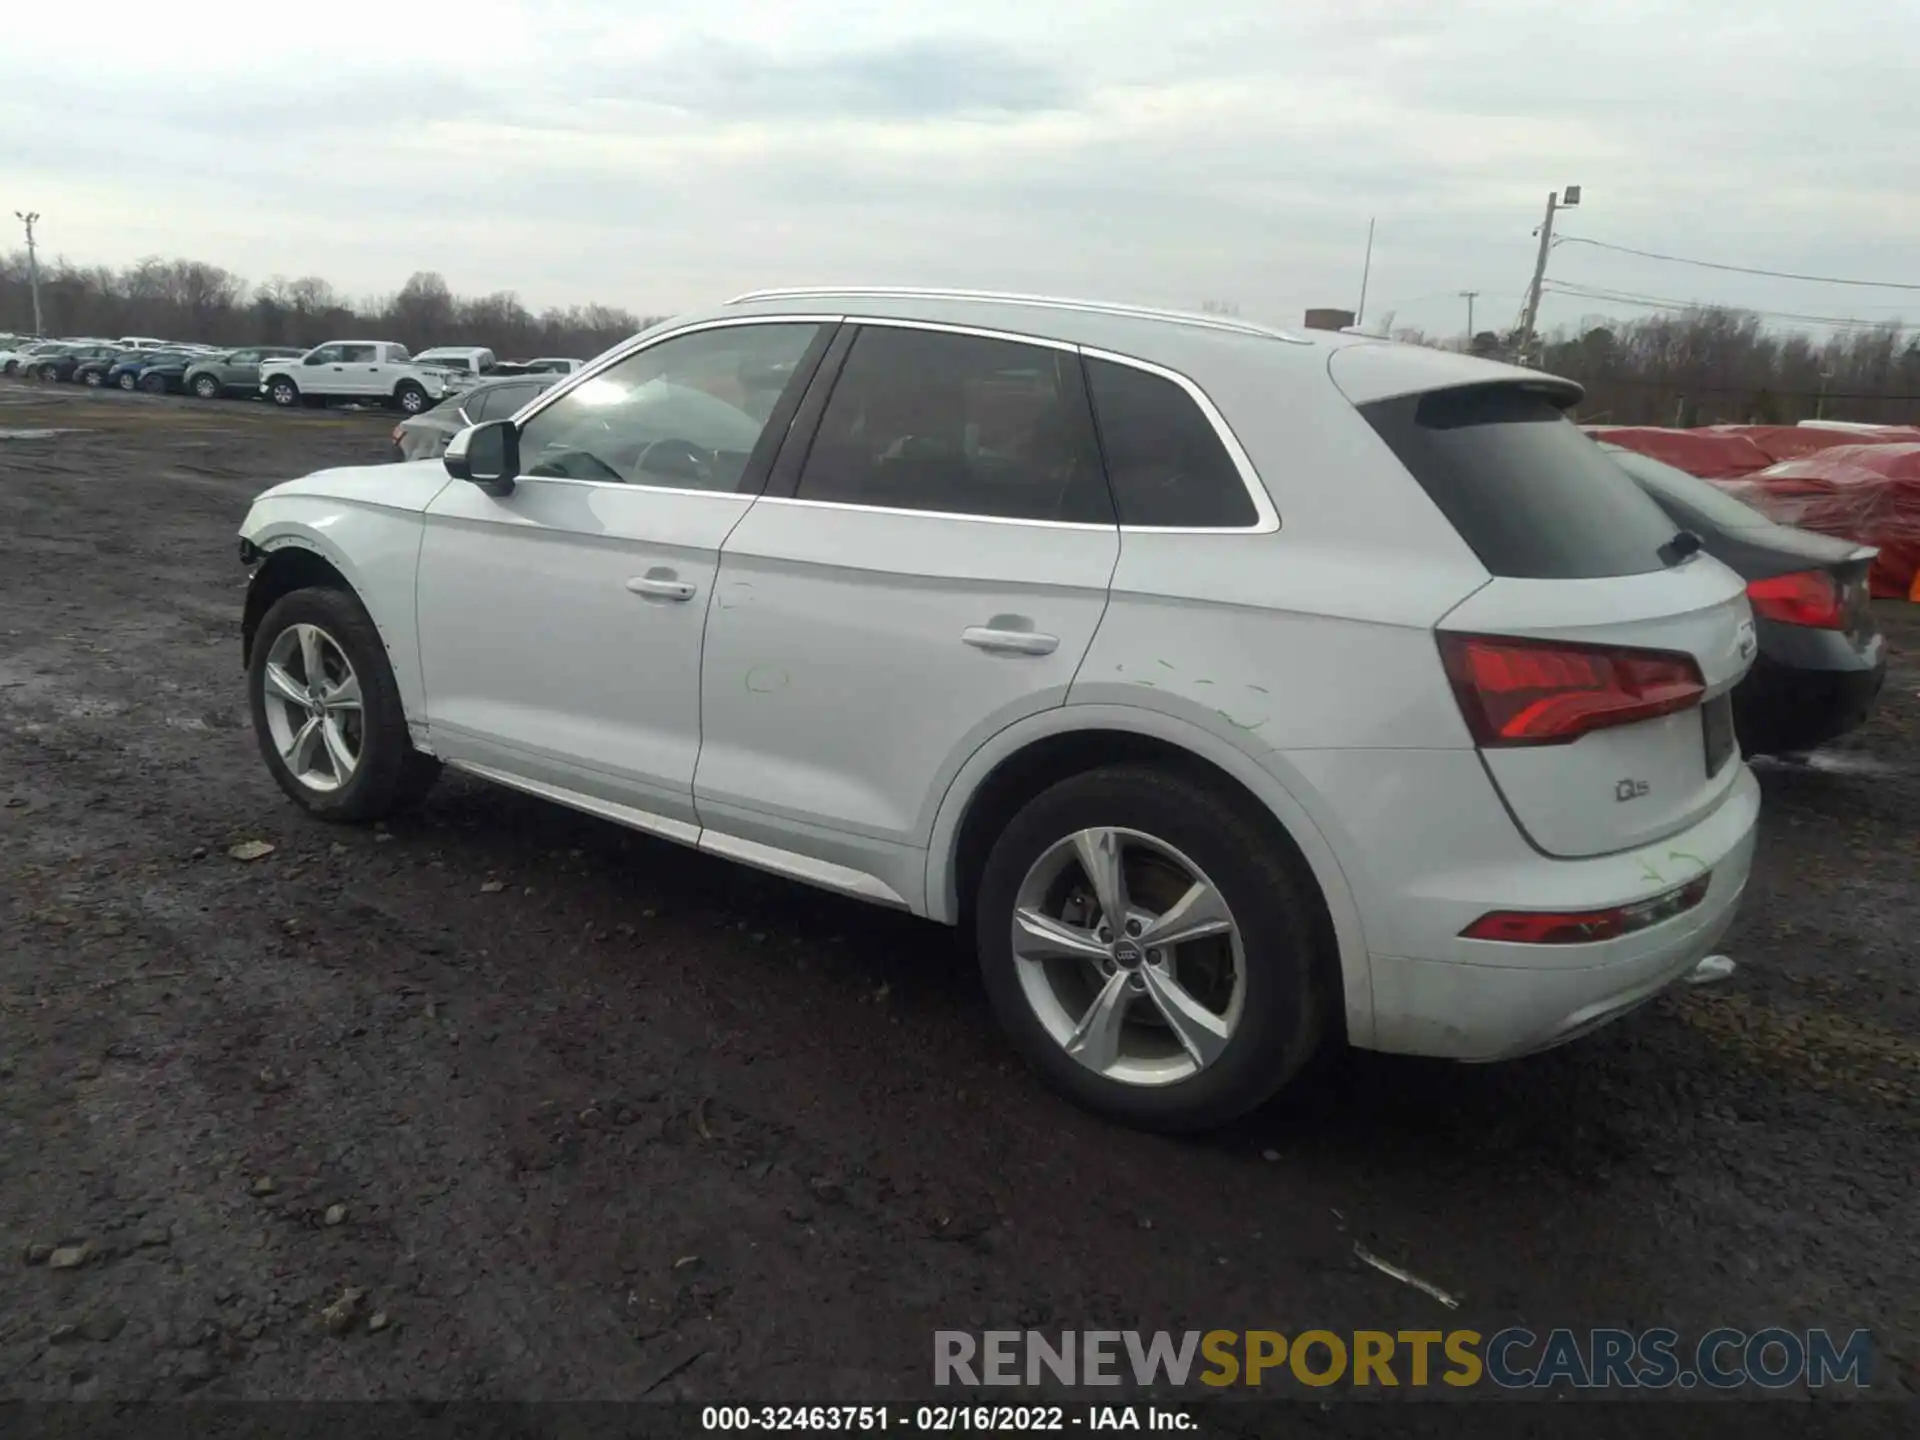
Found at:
[1854, 485]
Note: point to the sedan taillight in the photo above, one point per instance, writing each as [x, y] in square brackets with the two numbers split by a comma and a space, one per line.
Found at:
[1805, 597]
[1551, 692]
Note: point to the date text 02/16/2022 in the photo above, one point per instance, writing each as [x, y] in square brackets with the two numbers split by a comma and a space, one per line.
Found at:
[943, 1419]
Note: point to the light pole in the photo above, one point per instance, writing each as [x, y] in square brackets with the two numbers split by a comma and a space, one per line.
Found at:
[1555, 201]
[33, 265]
[1468, 296]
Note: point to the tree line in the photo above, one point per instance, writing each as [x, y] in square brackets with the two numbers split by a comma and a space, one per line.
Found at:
[1691, 367]
[192, 300]
[1712, 365]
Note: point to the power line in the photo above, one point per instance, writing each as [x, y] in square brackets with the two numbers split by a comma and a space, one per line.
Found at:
[1738, 269]
[1658, 302]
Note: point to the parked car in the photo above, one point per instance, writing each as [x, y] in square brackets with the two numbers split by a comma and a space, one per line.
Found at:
[93, 371]
[981, 607]
[1822, 659]
[425, 436]
[165, 372]
[125, 373]
[546, 365]
[469, 361]
[213, 376]
[143, 342]
[61, 364]
[13, 362]
[377, 371]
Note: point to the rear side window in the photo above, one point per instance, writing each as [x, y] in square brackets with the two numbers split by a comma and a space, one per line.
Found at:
[959, 424]
[1164, 458]
[1697, 501]
[1533, 497]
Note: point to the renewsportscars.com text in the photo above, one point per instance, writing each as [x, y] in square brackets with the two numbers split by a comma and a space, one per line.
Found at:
[1512, 1359]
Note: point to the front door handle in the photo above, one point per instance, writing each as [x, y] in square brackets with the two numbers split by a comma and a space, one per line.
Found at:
[1009, 642]
[661, 586]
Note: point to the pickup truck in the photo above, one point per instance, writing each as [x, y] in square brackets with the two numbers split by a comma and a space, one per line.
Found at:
[371, 371]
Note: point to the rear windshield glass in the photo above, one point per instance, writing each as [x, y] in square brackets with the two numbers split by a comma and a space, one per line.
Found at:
[1532, 496]
[1697, 499]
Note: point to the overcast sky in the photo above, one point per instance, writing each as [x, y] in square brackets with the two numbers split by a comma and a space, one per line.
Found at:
[665, 156]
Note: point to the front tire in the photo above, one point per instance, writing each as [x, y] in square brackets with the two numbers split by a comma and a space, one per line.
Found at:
[283, 392]
[129, 382]
[1183, 1034]
[206, 387]
[410, 397]
[95, 379]
[327, 711]
[153, 385]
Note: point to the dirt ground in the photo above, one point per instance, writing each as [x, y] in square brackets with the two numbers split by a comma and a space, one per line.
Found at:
[632, 1121]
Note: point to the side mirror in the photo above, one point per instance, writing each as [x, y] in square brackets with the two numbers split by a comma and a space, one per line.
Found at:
[487, 455]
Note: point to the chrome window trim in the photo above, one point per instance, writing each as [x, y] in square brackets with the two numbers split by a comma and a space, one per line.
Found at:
[1266, 518]
[978, 332]
[897, 510]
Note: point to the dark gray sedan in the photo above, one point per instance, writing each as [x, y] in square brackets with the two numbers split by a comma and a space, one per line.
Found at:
[425, 436]
[1822, 658]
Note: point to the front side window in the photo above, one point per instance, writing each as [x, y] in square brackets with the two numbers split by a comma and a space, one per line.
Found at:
[1165, 460]
[325, 355]
[960, 424]
[686, 413]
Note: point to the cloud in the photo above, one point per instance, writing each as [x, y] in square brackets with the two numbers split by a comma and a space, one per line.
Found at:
[661, 156]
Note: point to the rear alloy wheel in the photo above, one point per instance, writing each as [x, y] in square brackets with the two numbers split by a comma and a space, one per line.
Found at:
[284, 393]
[327, 712]
[411, 397]
[206, 387]
[1149, 950]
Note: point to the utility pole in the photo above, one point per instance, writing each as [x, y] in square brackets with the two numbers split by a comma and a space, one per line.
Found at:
[1468, 296]
[1366, 269]
[33, 265]
[1554, 202]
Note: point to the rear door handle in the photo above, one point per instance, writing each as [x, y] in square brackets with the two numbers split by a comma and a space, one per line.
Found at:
[659, 585]
[1009, 642]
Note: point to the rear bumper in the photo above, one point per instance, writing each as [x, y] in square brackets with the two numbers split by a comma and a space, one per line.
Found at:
[1782, 706]
[1482, 1000]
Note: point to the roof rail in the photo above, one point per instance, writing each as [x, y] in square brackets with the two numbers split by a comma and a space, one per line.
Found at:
[998, 297]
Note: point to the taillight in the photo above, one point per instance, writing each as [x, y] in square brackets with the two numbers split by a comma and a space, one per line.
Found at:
[1583, 927]
[1805, 597]
[1551, 692]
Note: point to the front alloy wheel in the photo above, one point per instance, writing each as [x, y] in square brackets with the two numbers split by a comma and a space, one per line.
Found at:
[313, 708]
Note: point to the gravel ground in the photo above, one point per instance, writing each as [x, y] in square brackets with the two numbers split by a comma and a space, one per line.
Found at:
[503, 1101]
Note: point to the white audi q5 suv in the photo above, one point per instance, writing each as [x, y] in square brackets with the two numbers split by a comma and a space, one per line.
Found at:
[1240, 691]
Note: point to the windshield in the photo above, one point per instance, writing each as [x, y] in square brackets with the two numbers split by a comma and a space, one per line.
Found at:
[1701, 498]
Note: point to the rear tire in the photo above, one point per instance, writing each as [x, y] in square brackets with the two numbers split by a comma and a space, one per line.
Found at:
[386, 773]
[1281, 1006]
[206, 387]
[283, 392]
[410, 397]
